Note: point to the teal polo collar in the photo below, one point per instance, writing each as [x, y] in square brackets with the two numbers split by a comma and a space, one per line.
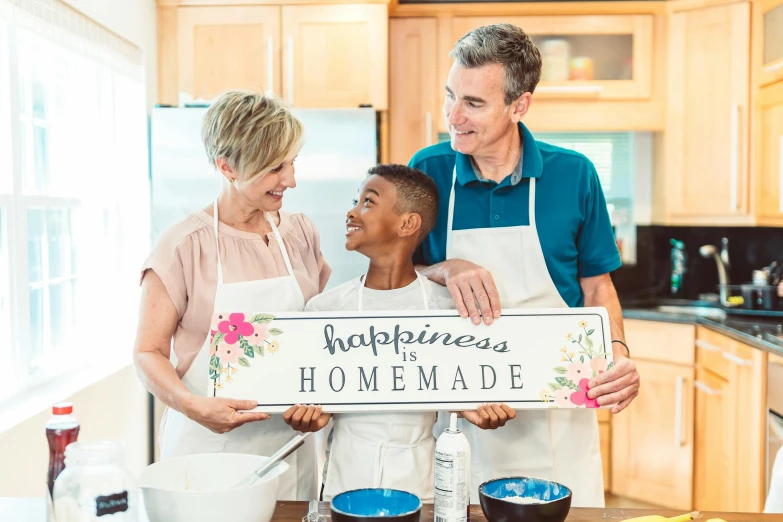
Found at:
[532, 164]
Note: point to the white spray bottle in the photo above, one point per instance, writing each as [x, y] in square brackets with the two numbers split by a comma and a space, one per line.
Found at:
[452, 475]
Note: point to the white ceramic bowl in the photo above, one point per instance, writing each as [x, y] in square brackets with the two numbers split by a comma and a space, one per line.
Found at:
[191, 488]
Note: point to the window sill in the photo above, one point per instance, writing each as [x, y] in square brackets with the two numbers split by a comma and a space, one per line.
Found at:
[31, 401]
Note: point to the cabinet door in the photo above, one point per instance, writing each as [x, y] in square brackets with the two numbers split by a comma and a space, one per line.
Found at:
[413, 102]
[231, 47]
[652, 439]
[600, 57]
[335, 55]
[715, 444]
[768, 38]
[707, 134]
[769, 165]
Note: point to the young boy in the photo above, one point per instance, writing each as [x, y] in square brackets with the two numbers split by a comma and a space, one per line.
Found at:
[396, 208]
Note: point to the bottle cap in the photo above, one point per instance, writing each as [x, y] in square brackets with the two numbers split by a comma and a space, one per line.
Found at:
[62, 408]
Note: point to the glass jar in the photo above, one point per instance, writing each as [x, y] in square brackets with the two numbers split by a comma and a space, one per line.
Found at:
[95, 485]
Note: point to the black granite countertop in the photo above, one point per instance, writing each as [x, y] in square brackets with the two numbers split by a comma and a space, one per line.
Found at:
[764, 332]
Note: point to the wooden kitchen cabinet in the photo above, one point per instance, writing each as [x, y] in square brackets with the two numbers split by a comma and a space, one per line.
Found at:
[768, 166]
[296, 51]
[768, 40]
[414, 104]
[617, 51]
[652, 439]
[221, 48]
[335, 55]
[705, 179]
[729, 458]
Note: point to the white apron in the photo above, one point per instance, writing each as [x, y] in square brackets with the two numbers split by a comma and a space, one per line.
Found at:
[560, 445]
[182, 436]
[382, 450]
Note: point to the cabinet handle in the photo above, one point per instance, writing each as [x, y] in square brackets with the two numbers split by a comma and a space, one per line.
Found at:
[571, 89]
[679, 439]
[780, 175]
[289, 43]
[428, 129]
[737, 360]
[706, 389]
[707, 347]
[735, 157]
[774, 67]
[270, 66]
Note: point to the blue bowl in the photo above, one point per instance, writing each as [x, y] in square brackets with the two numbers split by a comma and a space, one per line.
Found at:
[554, 500]
[375, 504]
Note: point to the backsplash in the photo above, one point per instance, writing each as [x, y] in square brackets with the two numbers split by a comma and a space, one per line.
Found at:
[750, 248]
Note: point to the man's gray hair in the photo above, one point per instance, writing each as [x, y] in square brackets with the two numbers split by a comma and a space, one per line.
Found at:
[507, 45]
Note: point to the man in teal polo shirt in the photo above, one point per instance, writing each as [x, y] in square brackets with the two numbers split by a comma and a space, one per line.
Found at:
[523, 224]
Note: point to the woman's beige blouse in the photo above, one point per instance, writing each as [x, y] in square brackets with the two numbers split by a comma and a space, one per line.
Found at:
[186, 261]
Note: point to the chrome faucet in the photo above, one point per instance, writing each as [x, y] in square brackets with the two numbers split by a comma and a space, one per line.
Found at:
[722, 262]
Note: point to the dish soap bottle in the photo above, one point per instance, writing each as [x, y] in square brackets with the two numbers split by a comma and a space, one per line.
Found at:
[679, 267]
[452, 475]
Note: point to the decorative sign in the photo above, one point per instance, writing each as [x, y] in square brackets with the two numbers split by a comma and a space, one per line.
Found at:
[409, 361]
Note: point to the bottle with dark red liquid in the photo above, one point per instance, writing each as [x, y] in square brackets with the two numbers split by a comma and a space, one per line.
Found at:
[61, 430]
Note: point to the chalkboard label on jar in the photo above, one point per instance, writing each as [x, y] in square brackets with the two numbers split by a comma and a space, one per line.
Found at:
[111, 504]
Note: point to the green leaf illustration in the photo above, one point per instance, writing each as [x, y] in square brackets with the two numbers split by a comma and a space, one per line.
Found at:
[275, 331]
[562, 370]
[566, 383]
[214, 363]
[246, 347]
[555, 387]
[580, 338]
[590, 332]
[262, 318]
[249, 351]
[589, 342]
[609, 366]
[582, 359]
[220, 367]
[218, 338]
[244, 362]
[259, 350]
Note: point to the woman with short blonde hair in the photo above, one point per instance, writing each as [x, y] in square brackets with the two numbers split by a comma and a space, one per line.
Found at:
[238, 254]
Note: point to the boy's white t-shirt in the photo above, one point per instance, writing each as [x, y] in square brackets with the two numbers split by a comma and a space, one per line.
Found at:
[345, 298]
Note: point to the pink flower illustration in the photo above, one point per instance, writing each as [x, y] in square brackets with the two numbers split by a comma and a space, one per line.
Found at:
[234, 327]
[580, 398]
[578, 371]
[259, 334]
[228, 353]
[216, 320]
[598, 364]
[562, 398]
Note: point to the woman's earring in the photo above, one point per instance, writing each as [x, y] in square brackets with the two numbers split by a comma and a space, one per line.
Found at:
[231, 180]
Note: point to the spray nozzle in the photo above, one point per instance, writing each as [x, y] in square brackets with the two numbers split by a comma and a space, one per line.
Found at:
[453, 422]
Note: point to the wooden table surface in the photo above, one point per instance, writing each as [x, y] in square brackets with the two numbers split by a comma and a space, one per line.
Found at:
[294, 511]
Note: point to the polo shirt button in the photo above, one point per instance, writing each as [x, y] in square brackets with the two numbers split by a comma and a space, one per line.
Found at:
[497, 217]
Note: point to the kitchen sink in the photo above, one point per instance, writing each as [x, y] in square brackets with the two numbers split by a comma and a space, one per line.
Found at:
[700, 311]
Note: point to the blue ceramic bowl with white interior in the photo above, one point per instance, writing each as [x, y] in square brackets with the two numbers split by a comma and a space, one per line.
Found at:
[375, 504]
[523, 498]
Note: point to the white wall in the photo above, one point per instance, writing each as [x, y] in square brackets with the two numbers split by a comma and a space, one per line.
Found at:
[115, 407]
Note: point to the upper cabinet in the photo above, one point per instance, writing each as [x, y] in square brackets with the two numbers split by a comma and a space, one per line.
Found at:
[769, 161]
[606, 57]
[414, 104]
[335, 55]
[705, 176]
[768, 24]
[296, 51]
[221, 48]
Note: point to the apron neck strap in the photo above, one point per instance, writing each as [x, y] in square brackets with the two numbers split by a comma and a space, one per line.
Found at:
[275, 231]
[217, 243]
[420, 278]
[531, 206]
[280, 244]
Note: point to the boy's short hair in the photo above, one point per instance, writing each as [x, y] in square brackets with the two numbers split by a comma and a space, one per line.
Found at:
[416, 193]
